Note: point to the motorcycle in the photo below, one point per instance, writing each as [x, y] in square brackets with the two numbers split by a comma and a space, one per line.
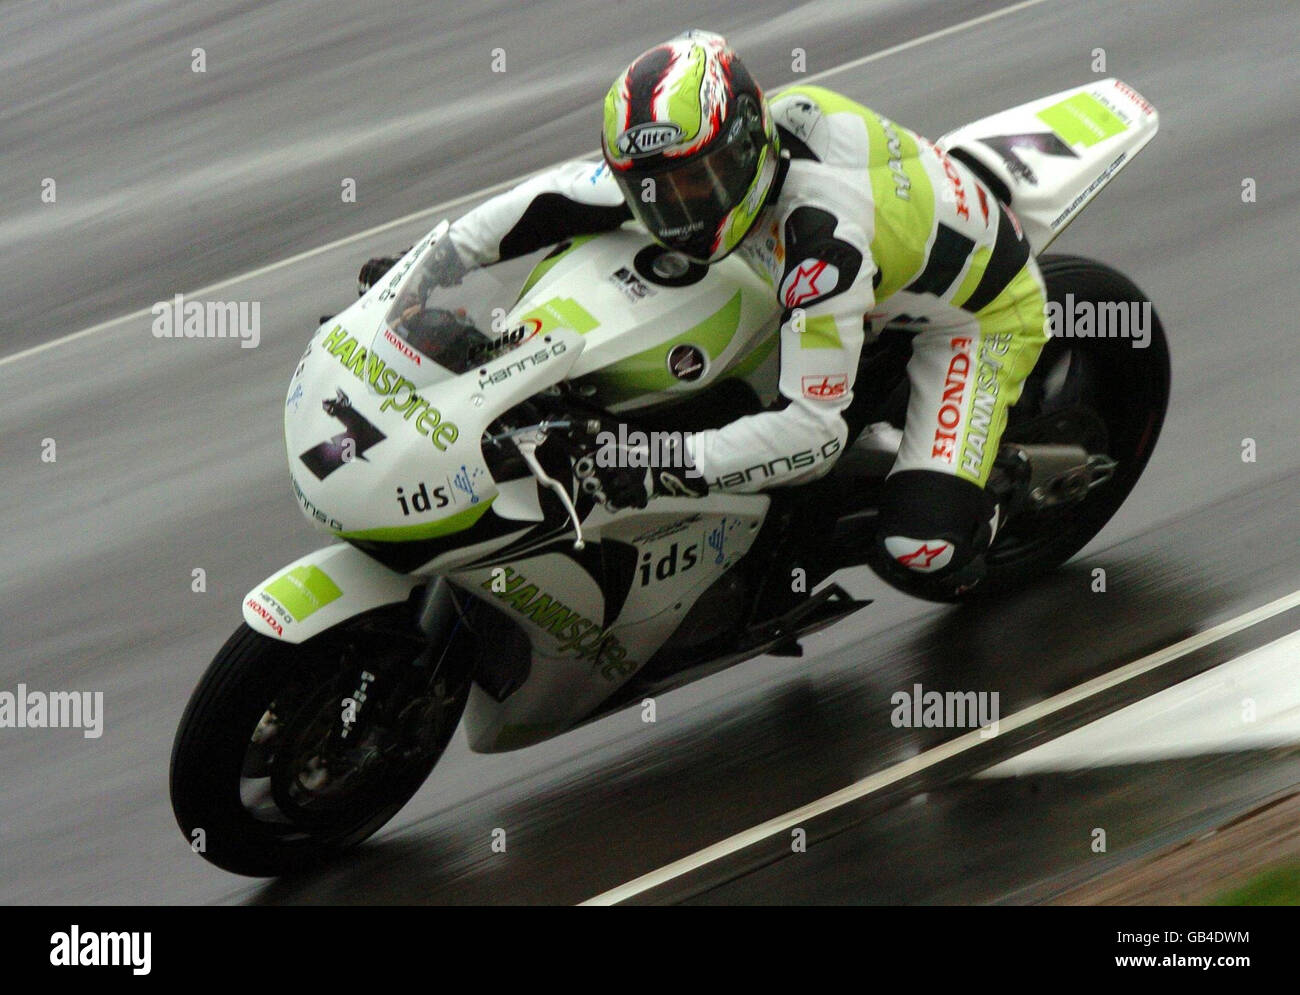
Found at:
[439, 434]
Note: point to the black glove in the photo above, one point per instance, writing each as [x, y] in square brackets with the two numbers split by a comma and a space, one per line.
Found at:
[373, 271]
[621, 477]
[443, 267]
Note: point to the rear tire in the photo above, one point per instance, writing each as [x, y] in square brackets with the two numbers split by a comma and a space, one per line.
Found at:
[1103, 394]
[1125, 387]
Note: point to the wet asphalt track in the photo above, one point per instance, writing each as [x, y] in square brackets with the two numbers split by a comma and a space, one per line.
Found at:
[169, 453]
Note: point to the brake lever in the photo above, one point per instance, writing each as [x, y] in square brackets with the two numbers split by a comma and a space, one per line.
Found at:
[527, 446]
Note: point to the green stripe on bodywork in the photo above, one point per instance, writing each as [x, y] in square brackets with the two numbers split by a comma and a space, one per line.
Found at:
[429, 530]
[648, 371]
[1082, 120]
[303, 591]
[544, 267]
[563, 312]
[757, 356]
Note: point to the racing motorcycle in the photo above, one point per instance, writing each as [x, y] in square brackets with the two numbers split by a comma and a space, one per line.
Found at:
[438, 434]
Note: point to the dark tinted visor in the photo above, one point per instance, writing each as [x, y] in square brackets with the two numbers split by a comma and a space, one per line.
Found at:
[693, 197]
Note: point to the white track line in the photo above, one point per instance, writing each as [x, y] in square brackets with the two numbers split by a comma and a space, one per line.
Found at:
[263, 270]
[884, 53]
[1200, 716]
[504, 185]
[945, 751]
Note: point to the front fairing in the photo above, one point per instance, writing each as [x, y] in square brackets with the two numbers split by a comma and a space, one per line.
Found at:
[384, 445]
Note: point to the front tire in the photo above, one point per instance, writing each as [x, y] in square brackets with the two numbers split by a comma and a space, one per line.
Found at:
[264, 777]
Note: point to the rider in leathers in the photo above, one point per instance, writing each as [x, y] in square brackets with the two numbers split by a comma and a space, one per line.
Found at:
[855, 222]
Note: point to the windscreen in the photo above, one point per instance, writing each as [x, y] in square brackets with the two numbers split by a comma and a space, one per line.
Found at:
[442, 330]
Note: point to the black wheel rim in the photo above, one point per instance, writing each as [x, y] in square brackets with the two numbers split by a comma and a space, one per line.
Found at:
[1063, 406]
[301, 776]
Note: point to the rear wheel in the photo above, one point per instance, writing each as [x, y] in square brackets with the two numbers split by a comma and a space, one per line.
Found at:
[287, 755]
[1103, 394]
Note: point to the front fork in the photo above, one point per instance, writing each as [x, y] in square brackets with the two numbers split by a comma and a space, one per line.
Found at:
[413, 690]
[331, 589]
[440, 612]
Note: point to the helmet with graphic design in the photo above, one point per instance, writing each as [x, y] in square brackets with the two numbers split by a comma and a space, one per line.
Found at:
[689, 139]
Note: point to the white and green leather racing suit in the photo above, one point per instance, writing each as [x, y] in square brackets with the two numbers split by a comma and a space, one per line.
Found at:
[870, 226]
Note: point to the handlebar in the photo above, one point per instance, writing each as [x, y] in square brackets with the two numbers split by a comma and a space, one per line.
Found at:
[527, 440]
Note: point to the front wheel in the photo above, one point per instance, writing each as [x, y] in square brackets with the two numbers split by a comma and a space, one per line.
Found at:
[287, 755]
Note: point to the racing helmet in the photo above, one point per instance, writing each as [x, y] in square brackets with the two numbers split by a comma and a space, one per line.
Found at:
[691, 144]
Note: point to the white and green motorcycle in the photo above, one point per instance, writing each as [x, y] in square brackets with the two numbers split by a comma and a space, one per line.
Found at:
[476, 580]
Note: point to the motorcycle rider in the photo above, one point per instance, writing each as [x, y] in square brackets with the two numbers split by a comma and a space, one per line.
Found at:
[855, 222]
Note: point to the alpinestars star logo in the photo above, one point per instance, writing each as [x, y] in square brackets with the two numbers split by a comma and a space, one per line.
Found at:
[812, 279]
[911, 559]
[357, 436]
[924, 555]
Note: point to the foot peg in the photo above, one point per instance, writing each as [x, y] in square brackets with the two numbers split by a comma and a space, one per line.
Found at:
[816, 612]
